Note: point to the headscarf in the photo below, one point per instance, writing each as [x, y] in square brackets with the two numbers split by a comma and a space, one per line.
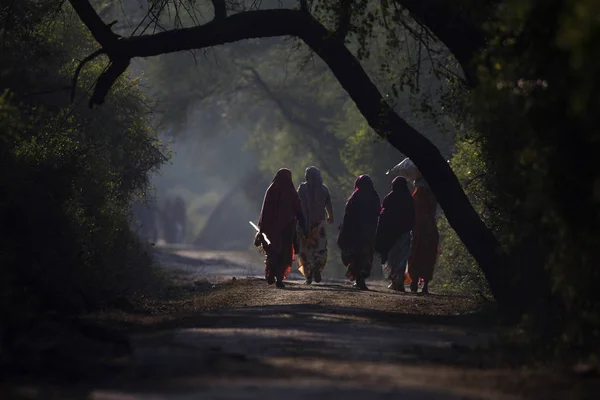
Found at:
[361, 215]
[397, 216]
[280, 205]
[313, 195]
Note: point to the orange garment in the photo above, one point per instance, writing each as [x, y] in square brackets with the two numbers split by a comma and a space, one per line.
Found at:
[278, 260]
[425, 235]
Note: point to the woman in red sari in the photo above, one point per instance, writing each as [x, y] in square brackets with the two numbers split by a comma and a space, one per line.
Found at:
[281, 210]
[357, 233]
[425, 237]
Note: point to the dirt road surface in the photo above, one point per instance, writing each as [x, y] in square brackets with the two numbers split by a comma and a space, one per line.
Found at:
[242, 339]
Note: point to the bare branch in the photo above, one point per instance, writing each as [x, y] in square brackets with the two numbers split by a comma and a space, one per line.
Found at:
[105, 82]
[86, 60]
[308, 128]
[99, 30]
[442, 17]
[220, 9]
[288, 115]
[313, 131]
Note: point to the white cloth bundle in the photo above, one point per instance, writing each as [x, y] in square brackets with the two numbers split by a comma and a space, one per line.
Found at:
[406, 169]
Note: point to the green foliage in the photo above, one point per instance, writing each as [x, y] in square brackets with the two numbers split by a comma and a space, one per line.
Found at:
[456, 269]
[537, 113]
[68, 174]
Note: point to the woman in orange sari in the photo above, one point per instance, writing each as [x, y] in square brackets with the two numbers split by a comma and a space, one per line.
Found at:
[281, 210]
[425, 237]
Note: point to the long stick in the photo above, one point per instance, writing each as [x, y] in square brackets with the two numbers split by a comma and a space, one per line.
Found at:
[258, 230]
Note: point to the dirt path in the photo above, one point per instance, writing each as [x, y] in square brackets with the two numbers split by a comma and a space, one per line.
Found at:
[241, 338]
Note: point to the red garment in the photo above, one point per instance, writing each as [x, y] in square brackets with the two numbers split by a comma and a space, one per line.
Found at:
[425, 239]
[281, 204]
[280, 207]
[278, 264]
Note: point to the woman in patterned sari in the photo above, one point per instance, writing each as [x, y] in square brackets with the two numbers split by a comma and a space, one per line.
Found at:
[396, 220]
[357, 233]
[316, 206]
[281, 210]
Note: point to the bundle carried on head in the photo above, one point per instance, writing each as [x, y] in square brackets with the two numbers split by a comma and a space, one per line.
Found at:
[406, 169]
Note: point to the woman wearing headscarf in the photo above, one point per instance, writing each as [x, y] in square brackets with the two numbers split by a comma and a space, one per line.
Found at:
[396, 220]
[357, 233]
[425, 237]
[280, 211]
[316, 206]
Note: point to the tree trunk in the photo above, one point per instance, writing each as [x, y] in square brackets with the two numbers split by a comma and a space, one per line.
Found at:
[461, 215]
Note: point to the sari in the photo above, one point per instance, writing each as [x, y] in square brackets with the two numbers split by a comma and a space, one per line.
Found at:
[280, 212]
[357, 233]
[425, 235]
[316, 202]
[393, 237]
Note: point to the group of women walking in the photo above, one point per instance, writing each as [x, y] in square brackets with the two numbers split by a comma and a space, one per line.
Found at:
[401, 230]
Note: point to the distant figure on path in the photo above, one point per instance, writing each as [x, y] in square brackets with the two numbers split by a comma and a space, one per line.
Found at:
[179, 216]
[396, 220]
[357, 232]
[167, 222]
[316, 206]
[281, 211]
[425, 237]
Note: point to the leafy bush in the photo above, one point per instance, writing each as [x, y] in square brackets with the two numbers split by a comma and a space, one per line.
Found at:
[456, 270]
[536, 110]
[68, 176]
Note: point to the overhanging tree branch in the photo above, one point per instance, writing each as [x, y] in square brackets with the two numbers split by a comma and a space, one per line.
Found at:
[220, 9]
[86, 60]
[109, 41]
[115, 69]
[445, 19]
[99, 30]
[478, 239]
